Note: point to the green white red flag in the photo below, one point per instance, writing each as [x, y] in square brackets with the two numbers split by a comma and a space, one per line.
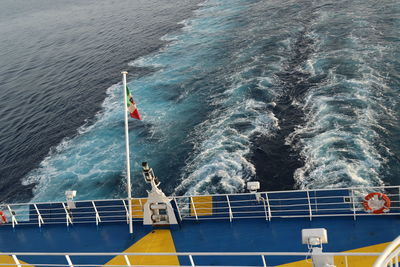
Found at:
[132, 109]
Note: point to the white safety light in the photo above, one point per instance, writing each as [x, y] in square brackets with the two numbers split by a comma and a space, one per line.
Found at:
[70, 198]
[253, 186]
[314, 237]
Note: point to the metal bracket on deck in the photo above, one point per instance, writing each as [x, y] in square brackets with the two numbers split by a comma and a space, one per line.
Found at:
[40, 219]
[177, 207]
[67, 216]
[97, 214]
[127, 211]
[194, 208]
[16, 260]
[354, 205]
[230, 209]
[13, 219]
[127, 260]
[268, 207]
[309, 205]
[69, 261]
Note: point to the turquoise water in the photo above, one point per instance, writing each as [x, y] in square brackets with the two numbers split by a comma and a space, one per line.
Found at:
[295, 94]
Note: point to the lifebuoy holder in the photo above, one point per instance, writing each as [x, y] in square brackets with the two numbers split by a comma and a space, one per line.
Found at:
[376, 203]
[3, 218]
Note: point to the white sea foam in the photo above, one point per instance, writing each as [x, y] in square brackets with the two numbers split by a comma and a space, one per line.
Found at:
[219, 162]
[339, 142]
[342, 140]
[83, 160]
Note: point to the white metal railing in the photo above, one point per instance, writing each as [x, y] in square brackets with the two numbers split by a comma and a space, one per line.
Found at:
[390, 256]
[310, 204]
[266, 205]
[76, 259]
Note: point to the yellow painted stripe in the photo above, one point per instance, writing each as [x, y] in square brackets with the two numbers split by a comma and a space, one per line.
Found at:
[156, 241]
[137, 207]
[353, 261]
[8, 259]
[203, 206]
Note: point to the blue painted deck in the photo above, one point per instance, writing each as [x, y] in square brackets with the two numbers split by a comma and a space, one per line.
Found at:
[249, 231]
[245, 235]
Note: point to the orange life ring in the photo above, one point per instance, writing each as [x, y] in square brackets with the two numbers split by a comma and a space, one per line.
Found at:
[3, 218]
[376, 203]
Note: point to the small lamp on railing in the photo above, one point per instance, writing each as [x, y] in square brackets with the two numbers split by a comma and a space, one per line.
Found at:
[253, 186]
[70, 198]
[314, 238]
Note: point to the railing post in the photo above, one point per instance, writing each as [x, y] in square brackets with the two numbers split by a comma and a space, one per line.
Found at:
[354, 206]
[315, 201]
[263, 260]
[40, 219]
[230, 209]
[67, 217]
[13, 219]
[309, 205]
[177, 207]
[265, 209]
[127, 260]
[191, 260]
[268, 206]
[98, 219]
[194, 208]
[69, 261]
[17, 263]
[127, 212]
[399, 193]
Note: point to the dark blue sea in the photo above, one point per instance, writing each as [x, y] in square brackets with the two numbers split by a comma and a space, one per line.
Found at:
[291, 93]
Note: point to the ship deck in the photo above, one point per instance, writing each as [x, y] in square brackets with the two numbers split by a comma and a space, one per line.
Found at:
[208, 224]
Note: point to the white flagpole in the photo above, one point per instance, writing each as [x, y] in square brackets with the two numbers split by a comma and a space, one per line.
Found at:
[128, 165]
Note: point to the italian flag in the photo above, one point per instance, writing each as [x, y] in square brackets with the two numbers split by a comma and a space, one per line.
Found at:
[131, 105]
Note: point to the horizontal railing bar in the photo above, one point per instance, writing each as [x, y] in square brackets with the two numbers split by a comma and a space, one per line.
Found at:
[240, 208]
[72, 254]
[288, 216]
[237, 194]
[237, 215]
[298, 191]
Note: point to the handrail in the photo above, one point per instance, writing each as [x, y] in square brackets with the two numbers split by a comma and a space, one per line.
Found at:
[374, 254]
[72, 261]
[388, 254]
[216, 195]
[283, 204]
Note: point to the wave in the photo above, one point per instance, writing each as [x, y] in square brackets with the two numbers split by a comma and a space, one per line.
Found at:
[344, 140]
[239, 75]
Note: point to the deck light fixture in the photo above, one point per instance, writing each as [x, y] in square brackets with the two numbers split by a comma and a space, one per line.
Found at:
[253, 186]
[70, 194]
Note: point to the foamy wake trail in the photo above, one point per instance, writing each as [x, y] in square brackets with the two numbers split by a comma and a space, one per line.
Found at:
[219, 162]
[342, 140]
[339, 142]
[91, 162]
[222, 143]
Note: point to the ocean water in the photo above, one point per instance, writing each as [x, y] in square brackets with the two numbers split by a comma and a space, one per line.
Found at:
[294, 94]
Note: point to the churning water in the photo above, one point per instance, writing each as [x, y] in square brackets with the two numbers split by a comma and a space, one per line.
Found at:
[297, 94]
